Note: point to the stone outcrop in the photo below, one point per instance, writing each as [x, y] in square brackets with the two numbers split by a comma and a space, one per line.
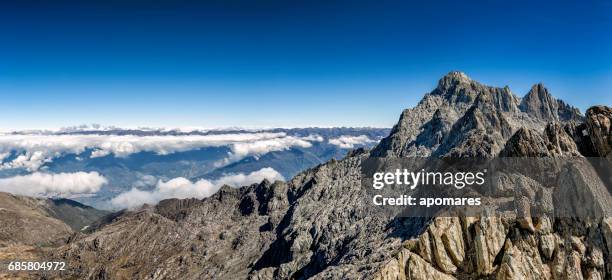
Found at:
[599, 122]
[412, 266]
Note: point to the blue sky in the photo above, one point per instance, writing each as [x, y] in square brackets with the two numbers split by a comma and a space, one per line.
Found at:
[285, 63]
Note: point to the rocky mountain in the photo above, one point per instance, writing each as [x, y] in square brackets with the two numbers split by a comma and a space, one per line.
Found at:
[460, 112]
[321, 224]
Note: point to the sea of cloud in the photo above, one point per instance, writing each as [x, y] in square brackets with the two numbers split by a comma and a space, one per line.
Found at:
[50, 184]
[31, 151]
[184, 188]
[34, 150]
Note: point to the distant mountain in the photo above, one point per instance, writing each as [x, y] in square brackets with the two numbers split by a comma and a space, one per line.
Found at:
[320, 223]
[331, 132]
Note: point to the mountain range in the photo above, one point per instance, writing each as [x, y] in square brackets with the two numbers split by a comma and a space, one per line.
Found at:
[319, 224]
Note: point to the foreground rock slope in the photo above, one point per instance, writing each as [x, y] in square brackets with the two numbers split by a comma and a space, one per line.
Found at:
[41, 221]
[29, 227]
[318, 224]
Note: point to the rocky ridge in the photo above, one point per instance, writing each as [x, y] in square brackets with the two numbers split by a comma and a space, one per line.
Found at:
[31, 226]
[39, 221]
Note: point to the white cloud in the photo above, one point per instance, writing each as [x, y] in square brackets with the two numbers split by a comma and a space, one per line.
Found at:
[349, 142]
[314, 138]
[183, 188]
[145, 181]
[53, 184]
[134, 198]
[240, 179]
[244, 149]
[34, 150]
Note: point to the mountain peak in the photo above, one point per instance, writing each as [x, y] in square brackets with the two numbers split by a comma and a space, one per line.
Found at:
[538, 91]
[457, 87]
[453, 78]
[539, 103]
[457, 75]
[471, 110]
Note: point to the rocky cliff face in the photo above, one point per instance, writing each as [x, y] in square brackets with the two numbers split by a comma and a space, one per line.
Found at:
[318, 225]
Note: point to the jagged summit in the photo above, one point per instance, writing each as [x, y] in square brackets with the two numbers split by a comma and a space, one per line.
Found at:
[472, 113]
[540, 104]
[457, 87]
[453, 78]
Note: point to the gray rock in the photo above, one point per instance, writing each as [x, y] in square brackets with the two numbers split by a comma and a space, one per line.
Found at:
[599, 122]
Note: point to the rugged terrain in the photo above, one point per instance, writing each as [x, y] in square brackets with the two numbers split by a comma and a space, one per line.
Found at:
[29, 226]
[41, 221]
[320, 225]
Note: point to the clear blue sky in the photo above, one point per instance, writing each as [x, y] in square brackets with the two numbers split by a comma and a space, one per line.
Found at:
[287, 62]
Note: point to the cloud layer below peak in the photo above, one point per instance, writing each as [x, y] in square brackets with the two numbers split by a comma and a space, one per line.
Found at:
[350, 142]
[183, 188]
[53, 184]
[34, 150]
